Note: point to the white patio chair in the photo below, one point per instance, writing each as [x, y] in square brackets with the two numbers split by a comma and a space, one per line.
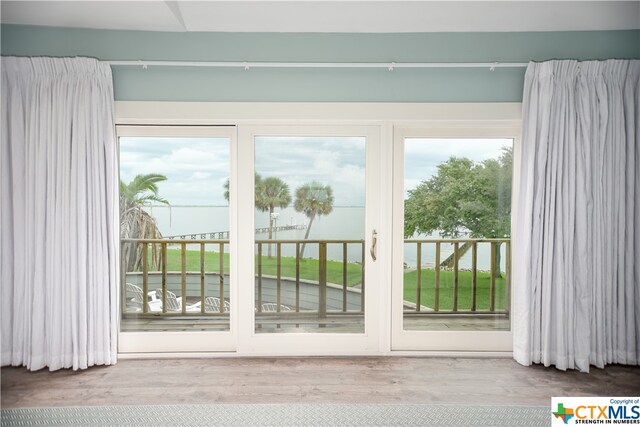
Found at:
[135, 298]
[212, 305]
[174, 303]
[270, 307]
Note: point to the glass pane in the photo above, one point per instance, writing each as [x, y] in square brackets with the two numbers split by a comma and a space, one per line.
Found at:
[457, 233]
[310, 219]
[175, 232]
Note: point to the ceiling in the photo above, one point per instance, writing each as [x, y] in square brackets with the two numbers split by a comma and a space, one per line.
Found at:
[355, 16]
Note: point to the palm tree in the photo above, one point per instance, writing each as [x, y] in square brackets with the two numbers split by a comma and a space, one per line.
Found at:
[272, 192]
[314, 199]
[135, 222]
[258, 181]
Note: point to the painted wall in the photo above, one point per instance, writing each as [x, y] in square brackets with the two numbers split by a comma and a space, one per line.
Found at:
[337, 85]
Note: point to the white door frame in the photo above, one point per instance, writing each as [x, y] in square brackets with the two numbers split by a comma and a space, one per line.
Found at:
[388, 117]
[477, 341]
[191, 341]
[252, 343]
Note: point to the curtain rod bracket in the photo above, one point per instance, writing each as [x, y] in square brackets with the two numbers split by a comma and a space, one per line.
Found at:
[392, 66]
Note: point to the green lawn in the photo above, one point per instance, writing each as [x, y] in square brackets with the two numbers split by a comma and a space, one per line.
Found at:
[308, 267]
[309, 271]
[211, 261]
[427, 288]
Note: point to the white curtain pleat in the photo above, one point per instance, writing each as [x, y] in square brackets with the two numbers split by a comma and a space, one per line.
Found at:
[576, 296]
[59, 214]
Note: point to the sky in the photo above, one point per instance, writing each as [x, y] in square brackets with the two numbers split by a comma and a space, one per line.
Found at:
[197, 168]
[423, 155]
[335, 161]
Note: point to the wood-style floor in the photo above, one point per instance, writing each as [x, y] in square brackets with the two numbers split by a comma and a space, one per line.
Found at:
[308, 380]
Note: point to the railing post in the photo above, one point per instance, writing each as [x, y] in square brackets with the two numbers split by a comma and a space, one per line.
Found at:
[183, 278]
[455, 276]
[418, 276]
[297, 277]
[278, 276]
[145, 278]
[202, 278]
[259, 305]
[492, 293]
[507, 277]
[163, 247]
[344, 277]
[363, 277]
[221, 277]
[436, 302]
[474, 276]
[123, 277]
[322, 290]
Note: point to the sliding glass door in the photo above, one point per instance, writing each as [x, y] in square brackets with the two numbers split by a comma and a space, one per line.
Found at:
[309, 193]
[452, 213]
[298, 236]
[176, 229]
[270, 248]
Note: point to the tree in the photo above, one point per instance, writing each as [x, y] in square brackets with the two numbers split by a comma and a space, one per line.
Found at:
[272, 192]
[135, 222]
[269, 193]
[314, 199]
[258, 180]
[464, 197]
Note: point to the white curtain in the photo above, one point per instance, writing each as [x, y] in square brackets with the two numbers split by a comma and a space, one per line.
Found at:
[576, 240]
[59, 195]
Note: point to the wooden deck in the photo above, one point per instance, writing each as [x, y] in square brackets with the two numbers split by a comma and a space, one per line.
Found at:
[331, 324]
[312, 380]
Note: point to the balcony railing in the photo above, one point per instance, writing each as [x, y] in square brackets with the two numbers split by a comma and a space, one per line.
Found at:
[321, 286]
[338, 284]
[131, 246]
[452, 266]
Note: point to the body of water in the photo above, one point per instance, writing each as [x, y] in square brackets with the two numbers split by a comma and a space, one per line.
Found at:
[345, 223]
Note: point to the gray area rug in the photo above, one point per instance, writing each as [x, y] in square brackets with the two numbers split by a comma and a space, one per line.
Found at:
[281, 415]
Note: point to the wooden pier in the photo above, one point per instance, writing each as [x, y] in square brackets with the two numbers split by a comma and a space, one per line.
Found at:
[214, 235]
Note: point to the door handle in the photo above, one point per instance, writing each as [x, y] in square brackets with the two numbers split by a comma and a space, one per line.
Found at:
[374, 242]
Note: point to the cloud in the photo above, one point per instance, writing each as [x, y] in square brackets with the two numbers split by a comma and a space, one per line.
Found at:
[196, 168]
[439, 149]
[198, 176]
[335, 161]
[423, 155]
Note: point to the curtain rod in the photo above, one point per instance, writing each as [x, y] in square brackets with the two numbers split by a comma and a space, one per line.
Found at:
[388, 65]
